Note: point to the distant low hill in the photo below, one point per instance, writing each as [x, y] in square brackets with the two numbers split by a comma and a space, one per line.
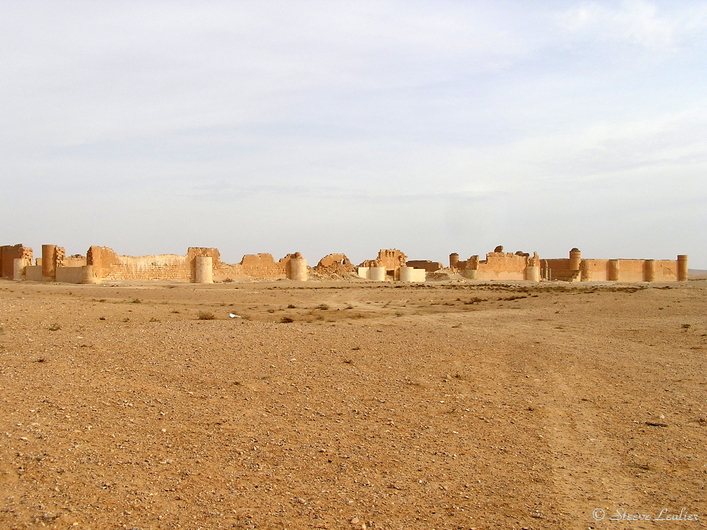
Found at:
[697, 274]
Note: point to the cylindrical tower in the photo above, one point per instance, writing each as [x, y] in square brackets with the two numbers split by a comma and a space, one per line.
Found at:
[453, 260]
[584, 267]
[298, 270]
[203, 270]
[532, 273]
[649, 270]
[575, 259]
[88, 274]
[406, 274]
[377, 274]
[613, 270]
[682, 268]
[48, 262]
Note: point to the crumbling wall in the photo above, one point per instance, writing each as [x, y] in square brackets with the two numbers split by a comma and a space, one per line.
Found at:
[110, 266]
[106, 264]
[228, 272]
[392, 259]
[427, 265]
[207, 252]
[76, 260]
[8, 253]
[264, 266]
[498, 265]
[502, 266]
[104, 260]
[59, 257]
[155, 267]
[335, 264]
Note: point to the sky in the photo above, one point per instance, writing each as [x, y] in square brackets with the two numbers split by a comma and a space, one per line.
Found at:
[432, 127]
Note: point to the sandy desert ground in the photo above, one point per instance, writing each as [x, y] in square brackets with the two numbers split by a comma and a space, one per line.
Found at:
[344, 405]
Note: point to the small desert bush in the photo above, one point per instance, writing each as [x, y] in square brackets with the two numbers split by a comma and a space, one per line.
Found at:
[206, 315]
[287, 320]
[54, 327]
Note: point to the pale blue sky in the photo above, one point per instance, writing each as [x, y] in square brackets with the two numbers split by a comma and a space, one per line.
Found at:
[312, 126]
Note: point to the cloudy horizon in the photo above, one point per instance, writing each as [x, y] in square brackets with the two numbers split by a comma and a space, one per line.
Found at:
[318, 127]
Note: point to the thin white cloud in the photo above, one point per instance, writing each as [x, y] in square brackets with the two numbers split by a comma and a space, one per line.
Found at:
[637, 22]
[442, 121]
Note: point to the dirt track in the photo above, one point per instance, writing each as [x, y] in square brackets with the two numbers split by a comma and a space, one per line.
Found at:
[435, 406]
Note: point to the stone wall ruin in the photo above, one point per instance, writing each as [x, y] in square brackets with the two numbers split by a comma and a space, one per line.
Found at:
[335, 264]
[204, 265]
[521, 266]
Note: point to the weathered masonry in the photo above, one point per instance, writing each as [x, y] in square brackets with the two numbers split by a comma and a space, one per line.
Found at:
[499, 265]
[204, 265]
[199, 265]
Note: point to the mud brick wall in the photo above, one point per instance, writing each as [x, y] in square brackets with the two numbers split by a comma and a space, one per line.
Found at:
[502, 266]
[70, 274]
[558, 263]
[155, 267]
[631, 270]
[33, 273]
[263, 266]
[110, 266]
[392, 259]
[335, 264]
[77, 260]
[195, 252]
[8, 253]
[427, 265]
[666, 270]
[595, 270]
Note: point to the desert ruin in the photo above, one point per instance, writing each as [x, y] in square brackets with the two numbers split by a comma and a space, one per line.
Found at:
[505, 392]
[204, 265]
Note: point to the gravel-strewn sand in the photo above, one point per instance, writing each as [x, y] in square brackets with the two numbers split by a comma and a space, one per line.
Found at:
[432, 406]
